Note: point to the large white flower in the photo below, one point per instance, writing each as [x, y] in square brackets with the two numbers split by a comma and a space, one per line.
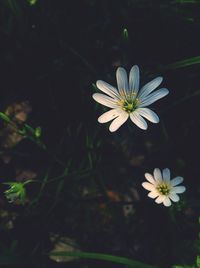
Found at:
[128, 100]
[162, 188]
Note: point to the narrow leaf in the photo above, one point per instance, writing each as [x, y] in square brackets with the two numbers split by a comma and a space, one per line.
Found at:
[5, 117]
[104, 257]
[184, 63]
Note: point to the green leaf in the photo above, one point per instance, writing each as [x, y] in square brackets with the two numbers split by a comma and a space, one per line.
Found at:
[185, 1]
[198, 261]
[5, 117]
[104, 257]
[27, 128]
[184, 63]
[14, 7]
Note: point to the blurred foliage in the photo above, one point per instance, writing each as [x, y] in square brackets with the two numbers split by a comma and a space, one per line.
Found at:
[32, 2]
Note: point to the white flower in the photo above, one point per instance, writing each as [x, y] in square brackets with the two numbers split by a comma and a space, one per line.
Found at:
[128, 100]
[162, 188]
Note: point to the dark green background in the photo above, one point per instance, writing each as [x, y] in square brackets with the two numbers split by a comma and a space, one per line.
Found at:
[50, 54]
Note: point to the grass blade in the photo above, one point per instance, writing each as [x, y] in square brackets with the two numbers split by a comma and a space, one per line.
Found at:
[184, 63]
[104, 257]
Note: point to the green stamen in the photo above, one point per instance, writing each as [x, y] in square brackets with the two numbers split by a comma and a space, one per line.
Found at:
[129, 106]
[163, 188]
[128, 102]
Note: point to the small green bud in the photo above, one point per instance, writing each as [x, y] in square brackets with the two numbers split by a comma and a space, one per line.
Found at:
[125, 34]
[16, 191]
[94, 86]
[32, 2]
[38, 132]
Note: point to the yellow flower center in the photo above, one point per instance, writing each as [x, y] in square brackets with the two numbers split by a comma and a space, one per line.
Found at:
[129, 105]
[163, 188]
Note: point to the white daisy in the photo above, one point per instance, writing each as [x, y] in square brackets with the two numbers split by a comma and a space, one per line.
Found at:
[128, 100]
[162, 188]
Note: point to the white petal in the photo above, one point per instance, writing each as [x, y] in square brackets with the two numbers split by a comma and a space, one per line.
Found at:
[148, 114]
[104, 100]
[167, 202]
[138, 120]
[176, 181]
[108, 89]
[149, 87]
[174, 197]
[107, 116]
[160, 199]
[153, 194]
[134, 79]
[122, 80]
[150, 178]
[117, 122]
[166, 174]
[178, 189]
[148, 186]
[151, 98]
[157, 174]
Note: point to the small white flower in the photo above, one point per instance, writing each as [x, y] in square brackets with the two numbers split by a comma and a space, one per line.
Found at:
[162, 188]
[128, 100]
